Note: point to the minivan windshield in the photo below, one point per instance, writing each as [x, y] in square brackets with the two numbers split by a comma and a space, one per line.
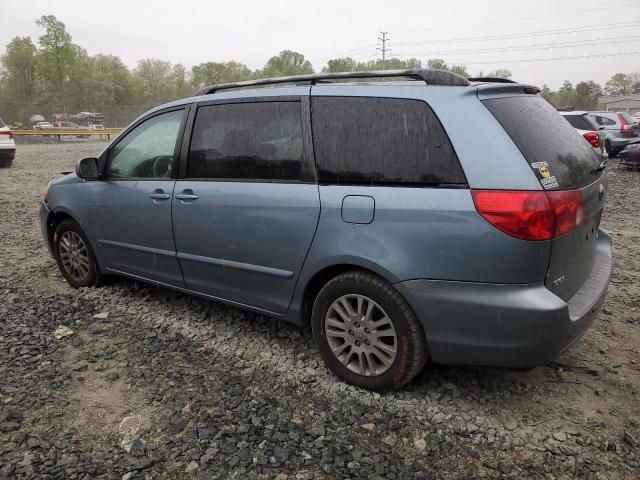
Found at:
[559, 156]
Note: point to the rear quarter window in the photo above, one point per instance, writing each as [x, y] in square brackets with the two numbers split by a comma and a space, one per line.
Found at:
[381, 141]
[559, 156]
[581, 122]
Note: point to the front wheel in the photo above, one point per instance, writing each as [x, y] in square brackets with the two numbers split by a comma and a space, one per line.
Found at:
[367, 333]
[74, 255]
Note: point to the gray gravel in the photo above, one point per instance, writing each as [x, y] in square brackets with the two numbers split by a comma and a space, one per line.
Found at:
[156, 384]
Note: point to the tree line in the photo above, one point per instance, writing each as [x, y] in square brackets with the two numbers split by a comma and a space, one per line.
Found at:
[59, 74]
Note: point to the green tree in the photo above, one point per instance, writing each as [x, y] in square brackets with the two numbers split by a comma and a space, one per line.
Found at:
[460, 70]
[586, 95]
[211, 73]
[155, 80]
[58, 57]
[108, 81]
[286, 63]
[500, 73]
[619, 84]
[437, 64]
[346, 64]
[19, 68]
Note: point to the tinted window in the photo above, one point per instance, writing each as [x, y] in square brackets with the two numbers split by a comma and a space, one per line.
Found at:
[381, 141]
[147, 151]
[604, 121]
[256, 141]
[581, 122]
[560, 156]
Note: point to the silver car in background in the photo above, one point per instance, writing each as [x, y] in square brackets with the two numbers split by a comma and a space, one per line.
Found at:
[620, 129]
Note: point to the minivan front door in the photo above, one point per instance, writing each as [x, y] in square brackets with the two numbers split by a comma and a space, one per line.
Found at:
[131, 208]
[246, 213]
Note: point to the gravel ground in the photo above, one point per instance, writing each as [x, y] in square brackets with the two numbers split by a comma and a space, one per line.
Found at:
[155, 384]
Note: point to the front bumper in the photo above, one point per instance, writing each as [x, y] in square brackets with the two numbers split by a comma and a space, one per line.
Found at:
[44, 214]
[506, 325]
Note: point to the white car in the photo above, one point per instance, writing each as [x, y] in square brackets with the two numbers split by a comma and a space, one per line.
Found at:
[43, 126]
[7, 146]
[589, 129]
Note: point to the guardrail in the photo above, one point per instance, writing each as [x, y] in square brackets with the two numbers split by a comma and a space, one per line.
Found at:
[107, 132]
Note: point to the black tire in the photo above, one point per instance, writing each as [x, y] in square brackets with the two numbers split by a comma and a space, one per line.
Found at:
[93, 276]
[6, 162]
[411, 344]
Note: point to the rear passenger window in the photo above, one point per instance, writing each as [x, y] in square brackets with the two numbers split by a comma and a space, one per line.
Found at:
[248, 141]
[381, 141]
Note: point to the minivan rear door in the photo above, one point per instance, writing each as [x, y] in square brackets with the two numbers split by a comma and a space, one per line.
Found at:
[561, 160]
[246, 206]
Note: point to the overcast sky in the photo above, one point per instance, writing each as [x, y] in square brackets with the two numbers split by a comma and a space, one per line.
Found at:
[249, 31]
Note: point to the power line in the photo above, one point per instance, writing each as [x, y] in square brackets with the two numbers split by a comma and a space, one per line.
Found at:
[520, 19]
[561, 31]
[573, 44]
[532, 60]
[384, 39]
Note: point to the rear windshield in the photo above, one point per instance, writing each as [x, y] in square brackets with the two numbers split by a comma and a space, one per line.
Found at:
[560, 157]
[581, 122]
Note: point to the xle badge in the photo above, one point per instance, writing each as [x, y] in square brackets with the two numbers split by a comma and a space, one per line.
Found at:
[547, 180]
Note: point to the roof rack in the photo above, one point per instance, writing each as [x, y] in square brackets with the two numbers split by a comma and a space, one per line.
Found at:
[430, 77]
[491, 79]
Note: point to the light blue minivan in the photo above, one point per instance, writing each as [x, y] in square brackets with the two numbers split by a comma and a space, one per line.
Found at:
[405, 215]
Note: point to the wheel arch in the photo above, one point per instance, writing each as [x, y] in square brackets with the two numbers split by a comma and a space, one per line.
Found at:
[320, 278]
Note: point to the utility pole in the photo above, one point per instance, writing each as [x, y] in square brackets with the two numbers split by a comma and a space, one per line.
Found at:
[384, 39]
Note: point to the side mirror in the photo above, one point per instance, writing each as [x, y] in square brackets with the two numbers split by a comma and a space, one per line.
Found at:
[87, 169]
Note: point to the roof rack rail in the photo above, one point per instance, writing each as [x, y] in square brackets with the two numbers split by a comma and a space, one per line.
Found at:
[430, 77]
[491, 79]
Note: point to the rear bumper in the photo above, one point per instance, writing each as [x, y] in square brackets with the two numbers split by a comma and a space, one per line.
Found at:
[7, 153]
[506, 325]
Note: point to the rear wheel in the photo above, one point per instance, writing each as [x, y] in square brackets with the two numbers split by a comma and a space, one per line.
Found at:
[74, 255]
[367, 333]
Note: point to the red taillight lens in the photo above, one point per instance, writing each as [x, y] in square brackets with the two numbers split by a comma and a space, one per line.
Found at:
[593, 138]
[9, 132]
[530, 215]
[623, 123]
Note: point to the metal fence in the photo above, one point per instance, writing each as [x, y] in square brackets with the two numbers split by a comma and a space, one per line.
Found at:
[115, 116]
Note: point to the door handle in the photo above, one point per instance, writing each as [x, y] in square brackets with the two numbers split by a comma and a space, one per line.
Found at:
[160, 196]
[187, 196]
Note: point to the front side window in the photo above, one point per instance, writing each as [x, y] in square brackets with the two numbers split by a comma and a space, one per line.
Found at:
[378, 141]
[248, 141]
[148, 150]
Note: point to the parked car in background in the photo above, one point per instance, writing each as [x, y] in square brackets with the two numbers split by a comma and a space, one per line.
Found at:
[636, 116]
[65, 126]
[619, 127]
[43, 126]
[588, 128]
[377, 212]
[7, 146]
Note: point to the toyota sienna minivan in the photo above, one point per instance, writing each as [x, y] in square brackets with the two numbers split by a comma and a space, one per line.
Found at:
[418, 216]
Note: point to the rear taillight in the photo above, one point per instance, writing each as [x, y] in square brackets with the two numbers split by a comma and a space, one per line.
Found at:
[531, 215]
[9, 132]
[593, 138]
[623, 123]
